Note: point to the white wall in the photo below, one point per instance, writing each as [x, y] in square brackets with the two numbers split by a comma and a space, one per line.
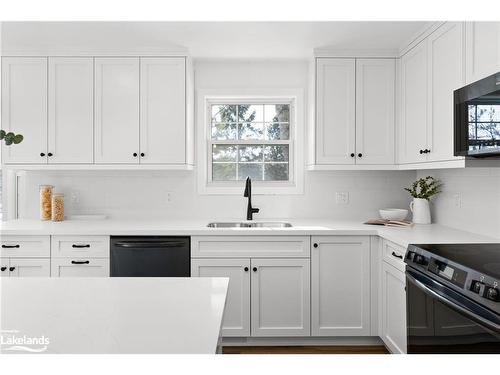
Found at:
[143, 194]
[470, 199]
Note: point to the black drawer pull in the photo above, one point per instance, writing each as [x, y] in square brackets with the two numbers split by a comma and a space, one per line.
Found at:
[80, 262]
[246, 269]
[12, 269]
[80, 246]
[397, 255]
[3, 268]
[254, 269]
[10, 246]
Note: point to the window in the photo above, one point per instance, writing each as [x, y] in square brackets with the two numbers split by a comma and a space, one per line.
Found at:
[250, 139]
[484, 125]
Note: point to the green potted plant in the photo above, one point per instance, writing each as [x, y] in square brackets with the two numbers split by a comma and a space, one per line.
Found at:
[10, 138]
[422, 191]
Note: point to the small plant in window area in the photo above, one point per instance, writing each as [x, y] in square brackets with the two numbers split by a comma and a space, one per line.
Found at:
[424, 188]
[10, 138]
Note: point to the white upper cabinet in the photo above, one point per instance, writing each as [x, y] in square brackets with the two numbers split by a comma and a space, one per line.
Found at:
[335, 111]
[163, 111]
[483, 49]
[446, 74]
[375, 101]
[116, 137]
[71, 90]
[340, 269]
[414, 81]
[24, 108]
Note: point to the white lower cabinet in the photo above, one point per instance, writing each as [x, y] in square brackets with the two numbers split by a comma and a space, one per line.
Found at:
[393, 308]
[236, 320]
[79, 267]
[340, 286]
[280, 297]
[24, 267]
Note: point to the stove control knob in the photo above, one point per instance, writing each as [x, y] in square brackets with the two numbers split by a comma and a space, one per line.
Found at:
[409, 255]
[491, 293]
[419, 259]
[475, 286]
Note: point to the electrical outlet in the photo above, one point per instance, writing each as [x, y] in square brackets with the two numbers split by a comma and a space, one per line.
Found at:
[75, 198]
[342, 197]
[168, 197]
[457, 200]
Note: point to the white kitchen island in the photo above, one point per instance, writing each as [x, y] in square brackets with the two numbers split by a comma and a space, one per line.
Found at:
[112, 315]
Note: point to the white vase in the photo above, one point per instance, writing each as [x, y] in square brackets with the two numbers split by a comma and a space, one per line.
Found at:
[421, 211]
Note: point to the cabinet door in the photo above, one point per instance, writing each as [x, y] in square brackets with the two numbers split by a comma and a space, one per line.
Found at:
[446, 74]
[335, 111]
[375, 100]
[393, 309]
[4, 267]
[79, 267]
[483, 49]
[280, 297]
[236, 320]
[24, 108]
[163, 111]
[71, 109]
[29, 267]
[340, 273]
[116, 110]
[413, 132]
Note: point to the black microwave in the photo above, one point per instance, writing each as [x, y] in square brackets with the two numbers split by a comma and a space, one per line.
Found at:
[477, 118]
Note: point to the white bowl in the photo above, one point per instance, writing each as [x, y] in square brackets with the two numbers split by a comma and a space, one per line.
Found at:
[393, 213]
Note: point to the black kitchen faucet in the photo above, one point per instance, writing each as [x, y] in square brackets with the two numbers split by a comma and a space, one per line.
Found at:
[248, 193]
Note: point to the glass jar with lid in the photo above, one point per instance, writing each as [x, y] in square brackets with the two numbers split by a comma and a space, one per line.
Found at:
[46, 201]
[57, 207]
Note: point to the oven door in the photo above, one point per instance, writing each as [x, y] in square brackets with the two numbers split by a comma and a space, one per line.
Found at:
[440, 320]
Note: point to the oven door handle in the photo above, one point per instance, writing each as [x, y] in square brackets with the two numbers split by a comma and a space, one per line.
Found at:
[451, 303]
[151, 244]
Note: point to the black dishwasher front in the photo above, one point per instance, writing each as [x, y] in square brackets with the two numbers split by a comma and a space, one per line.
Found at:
[150, 256]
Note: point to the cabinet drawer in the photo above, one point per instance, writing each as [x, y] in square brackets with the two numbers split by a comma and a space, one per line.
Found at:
[25, 246]
[394, 254]
[79, 267]
[250, 246]
[80, 246]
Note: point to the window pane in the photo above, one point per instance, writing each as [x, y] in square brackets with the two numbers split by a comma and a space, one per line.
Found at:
[250, 112]
[277, 112]
[224, 153]
[251, 131]
[250, 153]
[254, 171]
[222, 132]
[488, 112]
[472, 113]
[223, 113]
[276, 153]
[277, 131]
[276, 172]
[224, 172]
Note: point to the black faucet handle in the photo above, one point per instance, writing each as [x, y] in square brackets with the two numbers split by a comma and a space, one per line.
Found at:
[255, 210]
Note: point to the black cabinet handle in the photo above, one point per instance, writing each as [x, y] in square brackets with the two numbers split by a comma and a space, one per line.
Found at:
[143, 154]
[3, 268]
[421, 152]
[80, 246]
[360, 155]
[352, 155]
[10, 246]
[12, 269]
[254, 269]
[246, 269]
[50, 154]
[427, 151]
[315, 245]
[42, 154]
[135, 154]
[80, 262]
[397, 255]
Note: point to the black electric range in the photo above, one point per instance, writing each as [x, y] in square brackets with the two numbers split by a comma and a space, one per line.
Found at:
[453, 298]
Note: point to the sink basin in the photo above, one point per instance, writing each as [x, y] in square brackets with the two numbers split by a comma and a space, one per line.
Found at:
[247, 224]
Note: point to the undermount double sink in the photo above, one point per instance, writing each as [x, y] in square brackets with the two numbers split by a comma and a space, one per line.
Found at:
[247, 224]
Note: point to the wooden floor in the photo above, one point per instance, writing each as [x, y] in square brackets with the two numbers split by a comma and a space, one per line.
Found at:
[305, 350]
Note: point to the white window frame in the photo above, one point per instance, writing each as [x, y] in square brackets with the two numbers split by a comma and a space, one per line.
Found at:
[206, 98]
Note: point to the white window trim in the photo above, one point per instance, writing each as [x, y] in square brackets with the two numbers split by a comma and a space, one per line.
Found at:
[295, 97]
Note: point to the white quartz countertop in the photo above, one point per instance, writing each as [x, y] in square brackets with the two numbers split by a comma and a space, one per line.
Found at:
[113, 315]
[431, 233]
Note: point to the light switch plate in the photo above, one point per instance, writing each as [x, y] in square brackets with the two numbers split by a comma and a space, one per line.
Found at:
[342, 197]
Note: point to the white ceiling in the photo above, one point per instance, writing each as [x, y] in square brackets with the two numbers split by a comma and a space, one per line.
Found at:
[260, 40]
